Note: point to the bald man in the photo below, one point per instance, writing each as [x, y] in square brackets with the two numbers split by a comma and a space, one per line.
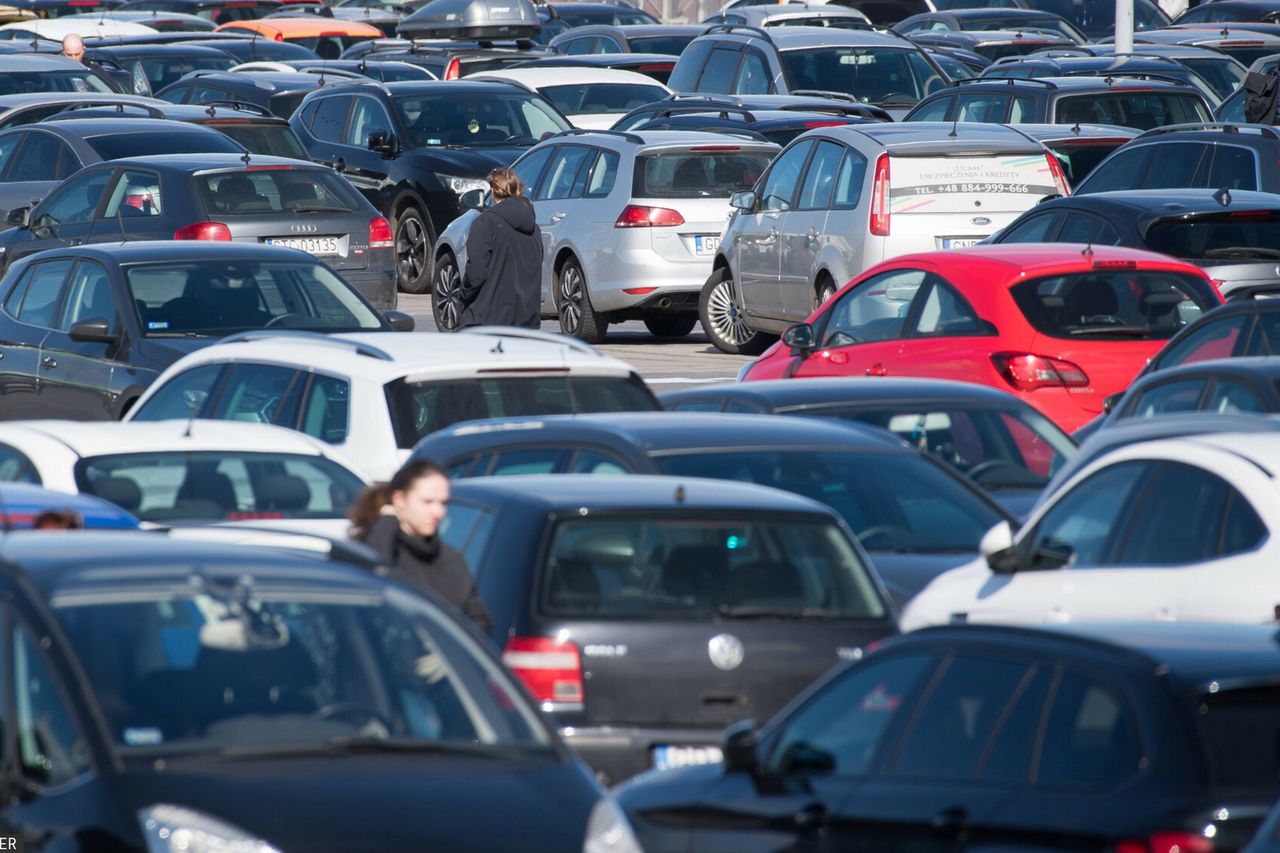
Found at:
[73, 47]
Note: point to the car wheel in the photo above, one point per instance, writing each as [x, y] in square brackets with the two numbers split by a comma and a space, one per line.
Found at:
[670, 325]
[413, 252]
[573, 304]
[723, 321]
[826, 290]
[446, 293]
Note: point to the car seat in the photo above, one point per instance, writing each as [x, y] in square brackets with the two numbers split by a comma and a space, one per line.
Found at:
[297, 193]
[283, 493]
[204, 484]
[573, 585]
[694, 574]
[236, 194]
[257, 682]
[121, 491]
[690, 176]
[1091, 300]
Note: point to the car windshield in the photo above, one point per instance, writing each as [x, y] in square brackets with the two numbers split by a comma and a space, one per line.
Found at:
[698, 174]
[672, 45]
[139, 143]
[1079, 156]
[261, 190]
[234, 663]
[700, 566]
[221, 485]
[21, 82]
[875, 75]
[583, 98]
[217, 297]
[476, 119]
[162, 72]
[1223, 74]
[1237, 235]
[893, 501]
[1114, 303]
[267, 140]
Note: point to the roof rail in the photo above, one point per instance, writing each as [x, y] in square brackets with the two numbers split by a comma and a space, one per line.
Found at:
[533, 335]
[824, 93]
[758, 32]
[361, 82]
[724, 110]
[1225, 126]
[741, 133]
[243, 106]
[119, 106]
[358, 347]
[1155, 77]
[969, 81]
[621, 134]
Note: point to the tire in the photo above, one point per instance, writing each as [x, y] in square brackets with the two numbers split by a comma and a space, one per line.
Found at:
[670, 325]
[573, 304]
[826, 289]
[721, 318]
[413, 243]
[446, 283]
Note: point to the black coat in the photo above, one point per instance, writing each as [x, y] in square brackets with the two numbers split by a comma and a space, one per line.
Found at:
[422, 562]
[503, 283]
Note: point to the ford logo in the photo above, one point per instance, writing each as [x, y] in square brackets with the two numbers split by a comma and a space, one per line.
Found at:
[302, 229]
[980, 220]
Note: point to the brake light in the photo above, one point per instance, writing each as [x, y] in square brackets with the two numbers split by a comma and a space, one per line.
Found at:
[550, 668]
[379, 233]
[453, 70]
[203, 231]
[267, 168]
[715, 148]
[1059, 176]
[880, 198]
[1168, 842]
[663, 67]
[1250, 214]
[1115, 265]
[83, 3]
[1027, 372]
[824, 123]
[642, 216]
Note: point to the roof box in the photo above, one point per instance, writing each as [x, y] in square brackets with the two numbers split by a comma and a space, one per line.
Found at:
[472, 19]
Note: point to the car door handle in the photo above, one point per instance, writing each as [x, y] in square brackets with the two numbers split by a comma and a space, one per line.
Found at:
[877, 370]
[813, 235]
[556, 217]
[952, 819]
[49, 361]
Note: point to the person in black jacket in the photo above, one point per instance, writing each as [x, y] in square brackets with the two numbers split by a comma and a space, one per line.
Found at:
[503, 283]
[401, 519]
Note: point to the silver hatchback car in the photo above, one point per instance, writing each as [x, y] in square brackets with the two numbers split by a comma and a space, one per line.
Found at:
[630, 222]
[839, 200]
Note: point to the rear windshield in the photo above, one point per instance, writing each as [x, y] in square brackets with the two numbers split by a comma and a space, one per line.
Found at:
[874, 75]
[602, 97]
[1241, 731]
[477, 119]
[700, 567]
[1141, 110]
[221, 485]
[698, 174]
[277, 190]
[1224, 74]
[1000, 50]
[1079, 158]
[328, 47]
[1241, 235]
[888, 12]
[614, 17]
[268, 140]
[285, 103]
[673, 45]
[953, 184]
[893, 502]
[1051, 23]
[420, 408]
[21, 82]
[237, 10]
[140, 144]
[1104, 303]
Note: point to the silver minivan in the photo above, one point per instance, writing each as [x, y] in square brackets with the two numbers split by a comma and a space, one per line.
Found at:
[839, 200]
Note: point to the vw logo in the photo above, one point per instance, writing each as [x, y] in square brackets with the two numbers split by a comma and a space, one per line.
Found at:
[302, 229]
[725, 651]
[980, 220]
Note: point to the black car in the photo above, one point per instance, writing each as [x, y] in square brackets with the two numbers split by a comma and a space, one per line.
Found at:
[917, 518]
[1127, 102]
[778, 126]
[382, 70]
[163, 690]
[1095, 20]
[1237, 329]
[1246, 43]
[147, 68]
[612, 14]
[218, 11]
[679, 104]
[999, 442]
[1152, 67]
[414, 148]
[84, 331]
[281, 92]
[626, 38]
[216, 197]
[35, 106]
[992, 45]
[977, 20]
[1222, 72]
[1143, 737]
[645, 613]
[1230, 11]
[1232, 235]
[1223, 386]
[51, 75]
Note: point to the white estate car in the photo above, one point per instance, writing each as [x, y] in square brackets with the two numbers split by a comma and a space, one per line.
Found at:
[87, 26]
[188, 470]
[370, 397]
[1178, 529]
[592, 98]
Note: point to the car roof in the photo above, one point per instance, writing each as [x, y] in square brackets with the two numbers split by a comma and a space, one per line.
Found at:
[268, 80]
[162, 251]
[13, 63]
[410, 88]
[565, 75]
[1158, 204]
[795, 38]
[667, 138]
[632, 30]
[191, 163]
[1071, 84]
[988, 14]
[88, 128]
[1061, 132]
[303, 26]
[786, 393]
[26, 99]
[1018, 261]
[934, 134]
[104, 438]
[175, 49]
[1260, 366]
[1217, 132]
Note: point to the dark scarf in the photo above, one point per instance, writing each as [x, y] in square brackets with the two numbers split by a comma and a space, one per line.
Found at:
[425, 548]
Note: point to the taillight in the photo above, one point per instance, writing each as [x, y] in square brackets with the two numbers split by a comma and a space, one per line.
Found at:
[203, 231]
[1027, 372]
[641, 216]
[1168, 842]
[550, 668]
[1059, 176]
[453, 70]
[279, 36]
[379, 233]
[880, 198]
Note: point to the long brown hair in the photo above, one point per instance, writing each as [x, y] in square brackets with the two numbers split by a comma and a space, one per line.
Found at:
[367, 507]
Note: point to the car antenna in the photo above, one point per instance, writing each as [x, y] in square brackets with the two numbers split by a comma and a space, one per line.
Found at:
[1088, 250]
[245, 158]
[680, 493]
[497, 348]
[212, 111]
[120, 223]
[1223, 197]
[1076, 128]
[955, 123]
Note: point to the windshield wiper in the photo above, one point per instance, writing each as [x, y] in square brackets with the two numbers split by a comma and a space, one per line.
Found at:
[896, 99]
[317, 208]
[1124, 331]
[346, 745]
[1242, 252]
[754, 612]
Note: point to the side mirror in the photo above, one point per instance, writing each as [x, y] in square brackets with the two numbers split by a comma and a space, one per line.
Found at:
[399, 321]
[745, 200]
[472, 199]
[19, 216]
[739, 747]
[996, 548]
[93, 329]
[800, 338]
[381, 142]
[1109, 401]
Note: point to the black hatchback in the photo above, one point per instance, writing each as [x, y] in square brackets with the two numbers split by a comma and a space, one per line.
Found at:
[1144, 738]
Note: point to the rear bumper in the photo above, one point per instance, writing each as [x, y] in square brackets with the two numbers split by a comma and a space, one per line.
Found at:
[644, 268]
[617, 753]
[377, 282]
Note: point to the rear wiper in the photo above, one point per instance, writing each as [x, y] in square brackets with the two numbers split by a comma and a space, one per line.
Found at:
[354, 744]
[1126, 331]
[316, 208]
[752, 612]
[897, 99]
[1242, 252]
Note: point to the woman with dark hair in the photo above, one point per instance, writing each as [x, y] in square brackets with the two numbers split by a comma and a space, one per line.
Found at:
[401, 521]
[503, 282]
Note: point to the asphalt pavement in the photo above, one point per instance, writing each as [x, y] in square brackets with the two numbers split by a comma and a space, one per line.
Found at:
[663, 364]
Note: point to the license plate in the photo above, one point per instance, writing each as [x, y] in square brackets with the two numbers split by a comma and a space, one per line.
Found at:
[666, 757]
[960, 242]
[313, 245]
[706, 245]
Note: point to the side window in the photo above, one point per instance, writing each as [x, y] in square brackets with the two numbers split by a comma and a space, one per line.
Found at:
[1033, 229]
[1229, 396]
[9, 145]
[875, 310]
[1092, 739]
[257, 393]
[43, 157]
[580, 47]
[74, 201]
[717, 75]
[1233, 167]
[1080, 526]
[595, 462]
[780, 186]
[40, 297]
[603, 175]
[946, 313]
[820, 177]
[1212, 340]
[15, 467]
[753, 76]
[90, 297]
[839, 730]
[853, 173]
[1078, 228]
[183, 396]
[1024, 110]
[176, 94]
[51, 747]
[1177, 164]
[1167, 398]
[529, 170]
[688, 68]
[325, 412]
[562, 174]
[935, 110]
[135, 194]
[330, 118]
[540, 460]
[1009, 755]
[369, 115]
[466, 528]
[982, 107]
[1124, 170]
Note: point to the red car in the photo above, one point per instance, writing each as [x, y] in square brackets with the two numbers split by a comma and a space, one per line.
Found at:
[1059, 325]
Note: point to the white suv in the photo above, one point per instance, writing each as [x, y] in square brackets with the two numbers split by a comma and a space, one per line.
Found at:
[372, 396]
[630, 222]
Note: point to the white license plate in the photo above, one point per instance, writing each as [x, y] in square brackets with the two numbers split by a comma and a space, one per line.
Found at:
[706, 245]
[313, 245]
[960, 242]
[666, 757]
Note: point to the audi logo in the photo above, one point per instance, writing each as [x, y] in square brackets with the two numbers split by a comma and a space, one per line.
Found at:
[302, 229]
